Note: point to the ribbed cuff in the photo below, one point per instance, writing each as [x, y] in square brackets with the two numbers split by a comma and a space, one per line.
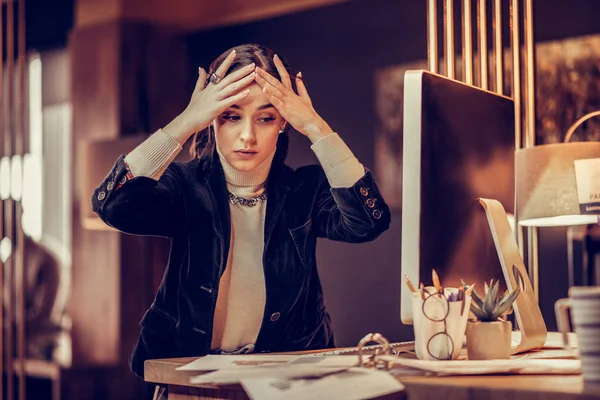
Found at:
[153, 156]
[339, 163]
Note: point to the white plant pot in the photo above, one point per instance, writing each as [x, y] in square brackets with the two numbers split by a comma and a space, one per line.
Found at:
[489, 340]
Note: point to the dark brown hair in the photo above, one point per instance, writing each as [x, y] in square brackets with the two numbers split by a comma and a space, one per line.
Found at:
[204, 141]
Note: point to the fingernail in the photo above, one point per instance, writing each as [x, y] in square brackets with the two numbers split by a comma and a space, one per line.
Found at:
[199, 70]
[232, 52]
[251, 65]
[299, 74]
[276, 57]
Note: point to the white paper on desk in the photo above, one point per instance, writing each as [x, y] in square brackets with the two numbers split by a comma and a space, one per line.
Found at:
[231, 376]
[354, 384]
[215, 362]
[554, 340]
[490, 367]
[546, 354]
[326, 361]
[218, 362]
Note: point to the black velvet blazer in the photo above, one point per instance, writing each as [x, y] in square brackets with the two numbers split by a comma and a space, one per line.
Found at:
[189, 205]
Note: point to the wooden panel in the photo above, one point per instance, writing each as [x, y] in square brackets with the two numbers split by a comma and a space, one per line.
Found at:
[93, 304]
[120, 87]
[189, 14]
[95, 66]
[92, 12]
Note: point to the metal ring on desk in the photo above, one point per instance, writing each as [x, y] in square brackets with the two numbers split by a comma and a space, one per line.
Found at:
[373, 362]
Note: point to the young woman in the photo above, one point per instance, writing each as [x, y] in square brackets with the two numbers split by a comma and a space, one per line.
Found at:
[242, 275]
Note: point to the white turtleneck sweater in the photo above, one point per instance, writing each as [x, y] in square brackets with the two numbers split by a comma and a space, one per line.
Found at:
[242, 294]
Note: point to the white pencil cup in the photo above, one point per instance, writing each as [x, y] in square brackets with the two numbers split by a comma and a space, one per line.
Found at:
[439, 324]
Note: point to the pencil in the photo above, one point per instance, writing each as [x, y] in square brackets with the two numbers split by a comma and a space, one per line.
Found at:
[469, 290]
[422, 290]
[409, 284]
[436, 280]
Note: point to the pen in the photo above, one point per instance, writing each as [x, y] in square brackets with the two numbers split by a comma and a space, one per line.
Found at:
[409, 284]
[436, 280]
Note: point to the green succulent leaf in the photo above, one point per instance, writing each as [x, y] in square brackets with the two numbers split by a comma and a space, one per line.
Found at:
[504, 296]
[505, 305]
[492, 306]
[494, 294]
[482, 316]
[476, 299]
[489, 304]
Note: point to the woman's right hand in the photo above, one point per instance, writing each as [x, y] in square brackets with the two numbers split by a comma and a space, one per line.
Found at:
[209, 101]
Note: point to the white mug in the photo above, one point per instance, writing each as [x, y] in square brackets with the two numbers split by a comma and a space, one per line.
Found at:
[584, 302]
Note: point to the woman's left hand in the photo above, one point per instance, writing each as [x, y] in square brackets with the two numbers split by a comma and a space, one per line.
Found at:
[296, 109]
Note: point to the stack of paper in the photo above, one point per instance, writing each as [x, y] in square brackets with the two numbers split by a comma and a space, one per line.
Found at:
[295, 377]
[248, 367]
[490, 367]
[354, 384]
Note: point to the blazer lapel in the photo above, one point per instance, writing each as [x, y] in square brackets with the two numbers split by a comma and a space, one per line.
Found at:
[277, 191]
[217, 188]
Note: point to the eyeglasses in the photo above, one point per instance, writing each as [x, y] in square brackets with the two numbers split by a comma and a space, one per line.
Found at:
[436, 308]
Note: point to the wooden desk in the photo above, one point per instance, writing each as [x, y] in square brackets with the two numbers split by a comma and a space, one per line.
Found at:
[548, 387]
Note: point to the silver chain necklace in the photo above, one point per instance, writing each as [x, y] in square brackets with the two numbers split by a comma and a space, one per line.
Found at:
[251, 202]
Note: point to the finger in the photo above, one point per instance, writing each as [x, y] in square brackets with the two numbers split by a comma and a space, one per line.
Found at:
[270, 79]
[285, 77]
[237, 75]
[228, 102]
[273, 99]
[238, 85]
[265, 85]
[302, 92]
[224, 67]
[201, 82]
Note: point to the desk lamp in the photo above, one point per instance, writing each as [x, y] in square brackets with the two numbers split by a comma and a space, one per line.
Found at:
[558, 185]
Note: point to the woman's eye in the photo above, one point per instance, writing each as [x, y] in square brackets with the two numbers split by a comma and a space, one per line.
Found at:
[266, 119]
[230, 117]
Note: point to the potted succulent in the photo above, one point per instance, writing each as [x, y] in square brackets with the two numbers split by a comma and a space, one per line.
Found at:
[489, 337]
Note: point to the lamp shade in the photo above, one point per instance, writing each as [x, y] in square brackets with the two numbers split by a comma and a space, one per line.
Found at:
[95, 158]
[547, 187]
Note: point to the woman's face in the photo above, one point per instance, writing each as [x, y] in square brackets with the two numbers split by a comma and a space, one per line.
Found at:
[247, 132]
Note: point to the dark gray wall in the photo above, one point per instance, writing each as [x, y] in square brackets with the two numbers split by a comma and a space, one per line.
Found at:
[338, 49]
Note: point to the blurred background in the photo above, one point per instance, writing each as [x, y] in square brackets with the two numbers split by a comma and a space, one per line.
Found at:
[86, 80]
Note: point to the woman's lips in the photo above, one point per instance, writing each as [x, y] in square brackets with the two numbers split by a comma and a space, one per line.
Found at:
[245, 154]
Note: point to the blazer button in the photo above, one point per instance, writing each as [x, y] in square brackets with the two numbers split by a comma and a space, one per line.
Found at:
[377, 214]
[275, 316]
[370, 203]
[364, 191]
[123, 180]
[101, 196]
[110, 186]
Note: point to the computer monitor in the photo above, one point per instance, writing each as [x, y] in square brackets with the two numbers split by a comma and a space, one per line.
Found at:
[459, 144]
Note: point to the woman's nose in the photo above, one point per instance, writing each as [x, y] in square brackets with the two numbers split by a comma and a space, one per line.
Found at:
[247, 134]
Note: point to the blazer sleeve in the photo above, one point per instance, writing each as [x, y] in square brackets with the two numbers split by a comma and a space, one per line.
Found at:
[140, 205]
[355, 214]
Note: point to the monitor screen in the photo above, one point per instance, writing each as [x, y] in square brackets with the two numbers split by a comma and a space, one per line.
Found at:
[459, 144]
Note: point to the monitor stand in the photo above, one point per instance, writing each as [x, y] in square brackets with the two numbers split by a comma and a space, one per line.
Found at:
[527, 311]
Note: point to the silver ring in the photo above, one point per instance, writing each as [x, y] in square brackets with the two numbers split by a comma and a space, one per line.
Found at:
[215, 78]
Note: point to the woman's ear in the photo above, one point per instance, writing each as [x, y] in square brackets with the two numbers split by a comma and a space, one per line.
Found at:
[282, 128]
